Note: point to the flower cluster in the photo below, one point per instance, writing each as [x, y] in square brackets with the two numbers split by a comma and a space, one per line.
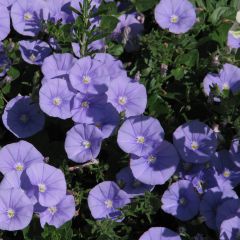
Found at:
[94, 92]
[31, 186]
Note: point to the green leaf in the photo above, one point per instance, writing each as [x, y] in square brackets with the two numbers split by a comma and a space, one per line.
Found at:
[178, 73]
[218, 13]
[108, 23]
[14, 73]
[144, 5]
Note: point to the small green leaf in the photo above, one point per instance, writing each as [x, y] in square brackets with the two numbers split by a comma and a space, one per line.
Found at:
[144, 5]
[108, 23]
[14, 73]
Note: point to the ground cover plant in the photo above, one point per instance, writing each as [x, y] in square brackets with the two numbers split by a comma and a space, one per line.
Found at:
[120, 119]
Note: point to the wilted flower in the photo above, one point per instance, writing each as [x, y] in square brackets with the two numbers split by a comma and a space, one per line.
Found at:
[4, 22]
[55, 98]
[156, 167]
[23, 117]
[34, 52]
[127, 97]
[105, 199]
[89, 76]
[83, 142]
[140, 135]
[16, 210]
[18, 157]
[156, 233]
[130, 184]
[176, 16]
[48, 182]
[195, 141]
[128, 31]
[181, 200]
[58, 214]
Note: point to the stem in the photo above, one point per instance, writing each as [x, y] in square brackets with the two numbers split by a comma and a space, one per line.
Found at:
[85, 27]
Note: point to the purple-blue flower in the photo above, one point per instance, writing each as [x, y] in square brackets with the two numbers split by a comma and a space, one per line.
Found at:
[156, 167]
[159, 233]
[128, 31]
[114, 66]
[176, 16]
[88, 108]
[233, 40]
[16, 210]
[195, 141]
[49, 183]
[4, 22]
[235, 152]
[34, 52]
[127, 97]
[108, 120]
[27, 16]
[105, 199]
[55, 98]
[60, 213]
[140, 135]
[211, 200]
[23, 117]
[130, 184]
[58, 65]
[181, 200]
[83, 142]
[227, 79]
[230, 229]
[18, 157]
[227, 210]
[89, 76]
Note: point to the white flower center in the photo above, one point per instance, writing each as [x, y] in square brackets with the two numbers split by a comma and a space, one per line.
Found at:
[19, 167]
[122, 100]
[28, 16]
[10, 213]
[86, 144]
[85, 104]
[109, 203]
[24, 118]
[52, 210]
[174, 19]
[182, 201]
[226, 86]
[86, 79]
[152, 159]
[42, 187]
[226, 173]
[57, 101]
[32, 57]
[236, 34]
[140, 139]
[194, 145]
